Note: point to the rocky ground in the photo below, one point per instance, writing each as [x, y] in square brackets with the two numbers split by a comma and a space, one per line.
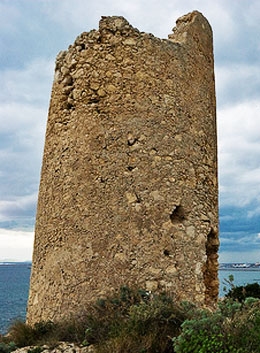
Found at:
[62, 347]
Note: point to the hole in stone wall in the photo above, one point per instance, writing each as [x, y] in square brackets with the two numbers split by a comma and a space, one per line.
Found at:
[177, 215]
[130, 168]
[93, 100]
[166, 252]
[101, 179]
[70, 106]
[138, 199]
[211, 267]
[131, 140]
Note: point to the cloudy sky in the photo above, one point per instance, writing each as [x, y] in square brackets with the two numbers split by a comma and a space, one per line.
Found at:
[32, 32]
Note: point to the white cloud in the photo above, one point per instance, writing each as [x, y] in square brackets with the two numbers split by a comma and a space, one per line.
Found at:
[21, 146]
[239, 256]
[150, 16]
[256, 211]
[239, 152]
[15, 117]
[20, 205]
[237, 83]
[30, 84]
[252, 15]
[24, 101]
[24, 104]
[16, 245]
[8, 16]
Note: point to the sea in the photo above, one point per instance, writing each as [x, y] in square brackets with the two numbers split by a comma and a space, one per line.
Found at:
[14, 289]
[241, 278]
[15, 278]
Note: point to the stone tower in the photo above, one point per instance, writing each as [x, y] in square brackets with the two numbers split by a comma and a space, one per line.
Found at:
[128, 192]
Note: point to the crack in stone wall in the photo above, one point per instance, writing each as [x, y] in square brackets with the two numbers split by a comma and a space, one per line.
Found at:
[128, 192]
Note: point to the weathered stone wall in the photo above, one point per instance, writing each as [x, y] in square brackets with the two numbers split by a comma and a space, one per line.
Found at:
[128, 191]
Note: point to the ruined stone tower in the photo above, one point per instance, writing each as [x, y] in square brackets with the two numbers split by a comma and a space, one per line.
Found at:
[128, 192]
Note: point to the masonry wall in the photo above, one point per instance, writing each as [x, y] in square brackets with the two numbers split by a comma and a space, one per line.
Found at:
[128, 192]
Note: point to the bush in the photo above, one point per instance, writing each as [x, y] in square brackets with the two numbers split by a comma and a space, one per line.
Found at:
[201, 334]
[26, 335]
[233, 328]
[136, 321]
[129, 321]
[7, 347]
[240, 293]
[245, 329]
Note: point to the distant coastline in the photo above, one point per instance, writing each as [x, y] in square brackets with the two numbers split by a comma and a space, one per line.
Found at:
[222, 266]
[16, 263]
[238, 269]
[240, 266]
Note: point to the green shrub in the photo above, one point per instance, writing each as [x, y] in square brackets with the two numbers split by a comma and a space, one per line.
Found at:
[232, 328]
[129, 321]
[22, 334]
[240, 293]
[134, 321]
[7, 347]
[245, 328]
[201, 334]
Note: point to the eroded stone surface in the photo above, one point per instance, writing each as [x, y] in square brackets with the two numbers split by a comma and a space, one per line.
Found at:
[128, 191]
